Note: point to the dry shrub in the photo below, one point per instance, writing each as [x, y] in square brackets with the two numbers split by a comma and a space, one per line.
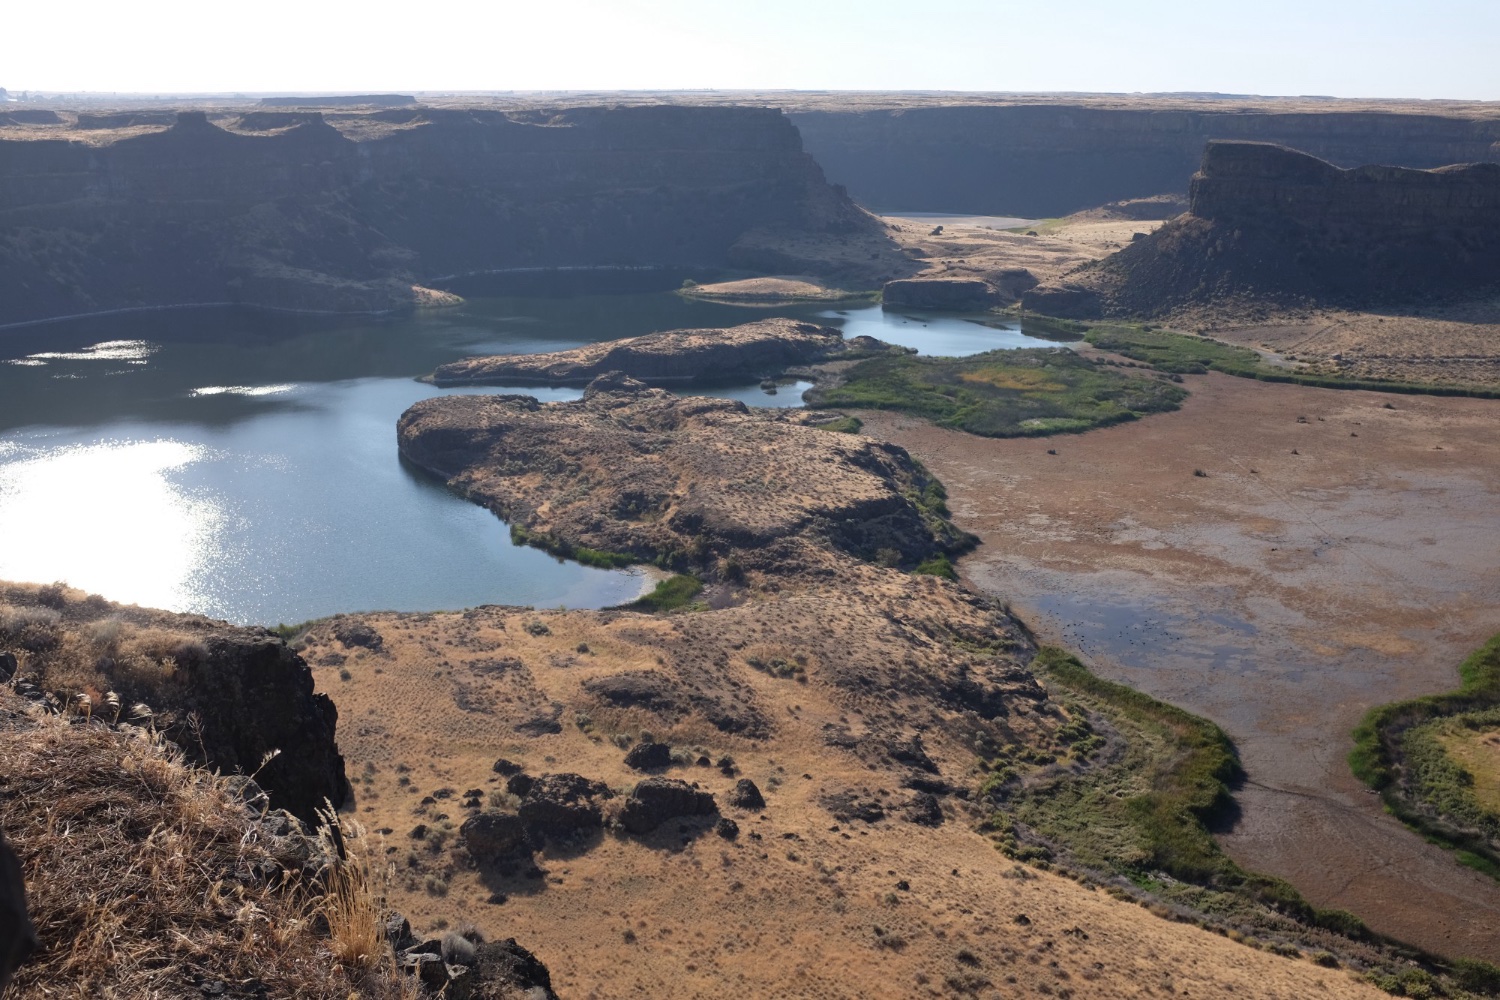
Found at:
[146, 878]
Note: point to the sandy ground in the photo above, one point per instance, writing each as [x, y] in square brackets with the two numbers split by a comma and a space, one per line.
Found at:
[975, 247]
[1319, 568]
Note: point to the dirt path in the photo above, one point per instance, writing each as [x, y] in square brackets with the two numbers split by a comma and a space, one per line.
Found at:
[1318, 568]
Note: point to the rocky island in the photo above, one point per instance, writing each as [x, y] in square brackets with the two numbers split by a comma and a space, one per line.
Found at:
[758, 350]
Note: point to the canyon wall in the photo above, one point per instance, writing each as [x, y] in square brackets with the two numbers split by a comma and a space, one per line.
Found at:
[1274, 224]
[1050, 159]
[347, 212]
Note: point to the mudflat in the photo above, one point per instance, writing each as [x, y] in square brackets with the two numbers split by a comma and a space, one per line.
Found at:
[1338, 552]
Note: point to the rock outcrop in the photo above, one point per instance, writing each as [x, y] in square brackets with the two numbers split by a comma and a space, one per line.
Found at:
[17, 936]
[235, 699]
[749, 351]
[687, 482]
[958, 294]
[653, 801]
[1051, 158]
[346, 212]
[1272, 224]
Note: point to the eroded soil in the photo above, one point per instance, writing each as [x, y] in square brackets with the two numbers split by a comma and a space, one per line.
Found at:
[1336, 554]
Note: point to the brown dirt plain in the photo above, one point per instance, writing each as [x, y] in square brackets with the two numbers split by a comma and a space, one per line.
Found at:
[799, 905]
[1339, 553]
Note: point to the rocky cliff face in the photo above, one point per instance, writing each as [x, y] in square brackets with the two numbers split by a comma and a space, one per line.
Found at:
[1273, 224]
[1050, 159]
[236, 700]
[347, 212]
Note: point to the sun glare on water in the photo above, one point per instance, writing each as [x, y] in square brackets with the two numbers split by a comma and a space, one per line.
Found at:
[108, 519]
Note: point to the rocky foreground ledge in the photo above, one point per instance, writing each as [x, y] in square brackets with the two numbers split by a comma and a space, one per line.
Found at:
[687, 482]
[757, 350]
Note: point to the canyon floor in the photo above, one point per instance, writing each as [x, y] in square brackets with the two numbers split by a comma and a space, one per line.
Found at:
[1338, 553]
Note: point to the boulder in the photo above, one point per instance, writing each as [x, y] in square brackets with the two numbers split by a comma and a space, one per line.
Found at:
[502, 970]
[562, 806]
[746, 796]
[656, 800]
[492, 835]
[17, 937]
[649, 757]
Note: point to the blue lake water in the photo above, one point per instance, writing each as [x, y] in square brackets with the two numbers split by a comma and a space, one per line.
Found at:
[244, 466]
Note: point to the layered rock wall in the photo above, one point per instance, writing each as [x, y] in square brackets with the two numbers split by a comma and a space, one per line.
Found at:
[1273, 224]
[1049, 159]
[1260, 183]
[346, 212]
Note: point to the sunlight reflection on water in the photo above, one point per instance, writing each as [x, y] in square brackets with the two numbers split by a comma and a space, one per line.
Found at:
[107, 518]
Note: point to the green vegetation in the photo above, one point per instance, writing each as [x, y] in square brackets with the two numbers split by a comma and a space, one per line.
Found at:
[565, 550]
[1001, 393]
[671, 594]
[290, 632]
[1403, 751]
[938, 565]
[842, 425]
[1155, 779]
[1181, 354]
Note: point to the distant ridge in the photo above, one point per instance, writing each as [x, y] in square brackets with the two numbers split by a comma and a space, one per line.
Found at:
[340, 101]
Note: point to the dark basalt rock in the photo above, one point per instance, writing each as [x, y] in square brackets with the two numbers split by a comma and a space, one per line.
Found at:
[358, 634]
[646, 689]
[492, 835]
[924, 810]
[501, 970]
[17, 936]
[563, 806]
[252, 696]
[649, 757]
[746, 796]
[656, 800]
[849, 805]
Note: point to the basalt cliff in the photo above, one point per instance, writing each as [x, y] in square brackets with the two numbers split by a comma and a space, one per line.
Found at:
[1050, 158]
[347, 212]
[1275, 225]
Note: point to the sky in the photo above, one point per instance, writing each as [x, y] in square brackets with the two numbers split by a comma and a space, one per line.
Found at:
[1340, 48]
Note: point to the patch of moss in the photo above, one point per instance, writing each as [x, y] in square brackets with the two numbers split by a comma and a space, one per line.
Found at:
[1019, 393]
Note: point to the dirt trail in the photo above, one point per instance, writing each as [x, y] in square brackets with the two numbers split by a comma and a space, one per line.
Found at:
[1336, 554]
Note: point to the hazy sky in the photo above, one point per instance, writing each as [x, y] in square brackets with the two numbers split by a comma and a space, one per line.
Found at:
[1346, 48]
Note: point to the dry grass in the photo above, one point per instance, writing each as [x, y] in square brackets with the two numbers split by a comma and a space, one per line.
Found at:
[147, 878]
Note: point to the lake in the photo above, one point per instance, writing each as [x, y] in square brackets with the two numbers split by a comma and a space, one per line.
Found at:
[244, 466]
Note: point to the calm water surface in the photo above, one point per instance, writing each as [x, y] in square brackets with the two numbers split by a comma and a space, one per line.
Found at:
[244, 466]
